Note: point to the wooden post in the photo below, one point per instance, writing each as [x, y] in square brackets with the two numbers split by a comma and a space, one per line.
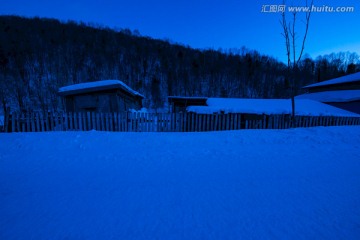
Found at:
[126, 121]
[37, 120]
[185, 122]
[165, 122]
[107, 122]
[27, 117]
[157, 119]
[22, 119]
[93, 121]
[46, 121]
[148, 122]
[216, 122]
[300, 121]
[191, 122]
[111, 121]
[227, 120]
[204, 126]
[71, 125]
[207, 122]
[179, 120]
[120, 116]
[7, 120]
[51, 124]
[138, 122]
[235, 121]
[61, 121]
[66, 121]
[75, 119]
[41, 122]
[239, 121]
[12, 117]
[32, 122]
[223, 122]
[100, 121]
[115, 122]
[80, 121]
[220, 122]
[84, 121]
[166, 125]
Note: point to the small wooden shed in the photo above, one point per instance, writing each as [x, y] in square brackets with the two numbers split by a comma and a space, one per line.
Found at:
[100, 96]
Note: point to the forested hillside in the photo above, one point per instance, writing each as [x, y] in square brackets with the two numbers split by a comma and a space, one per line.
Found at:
[37, 56]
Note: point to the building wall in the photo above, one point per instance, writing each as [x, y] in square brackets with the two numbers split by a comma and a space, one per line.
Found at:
[345, 86]
[349, 106]
[114, 101]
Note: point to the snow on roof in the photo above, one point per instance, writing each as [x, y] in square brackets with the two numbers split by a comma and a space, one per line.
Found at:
[345, 79]
[303, 107]
[96, 86]
[332, 96]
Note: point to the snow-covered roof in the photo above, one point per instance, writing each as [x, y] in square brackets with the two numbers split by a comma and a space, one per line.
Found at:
[97, 86]
[303, 107]
[332, 96]
[345, 79]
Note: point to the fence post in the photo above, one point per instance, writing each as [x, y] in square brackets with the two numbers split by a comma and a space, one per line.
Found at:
[70, 119]
[181, 121]
[6, 119]
[80, 121]
[227, 117]
[13, 119]
[46, 116]
[111, 117]
[37, 115]
[204, 123]
[66, 121]
[41, 116]
[75, 119]
[32, 121]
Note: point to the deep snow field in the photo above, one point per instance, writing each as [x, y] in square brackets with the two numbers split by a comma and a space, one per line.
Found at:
[247, 184]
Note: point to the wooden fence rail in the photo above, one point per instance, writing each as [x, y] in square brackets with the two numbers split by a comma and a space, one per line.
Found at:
[161, 122]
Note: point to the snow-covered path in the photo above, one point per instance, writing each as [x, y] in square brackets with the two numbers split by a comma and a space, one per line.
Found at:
[249, 184]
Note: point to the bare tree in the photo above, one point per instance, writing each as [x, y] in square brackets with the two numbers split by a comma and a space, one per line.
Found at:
[293, 57]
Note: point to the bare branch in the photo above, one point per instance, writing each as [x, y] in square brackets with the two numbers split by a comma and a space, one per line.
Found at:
[286, 35]
[308, 14]
[293, 36]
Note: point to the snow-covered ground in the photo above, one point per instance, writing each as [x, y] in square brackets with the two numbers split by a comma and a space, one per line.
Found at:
[249, 184]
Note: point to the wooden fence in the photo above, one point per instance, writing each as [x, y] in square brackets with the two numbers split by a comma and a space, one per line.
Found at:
[161, 122]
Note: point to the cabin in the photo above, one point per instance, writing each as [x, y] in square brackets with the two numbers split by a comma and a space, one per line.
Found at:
[342, 92]
[100, 96]
[255, 108]
[240, 112]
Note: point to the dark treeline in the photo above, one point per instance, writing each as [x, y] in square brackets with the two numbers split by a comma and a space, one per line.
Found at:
[37, 56]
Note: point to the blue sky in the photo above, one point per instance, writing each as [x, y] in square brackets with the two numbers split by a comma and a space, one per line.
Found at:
[207, 23]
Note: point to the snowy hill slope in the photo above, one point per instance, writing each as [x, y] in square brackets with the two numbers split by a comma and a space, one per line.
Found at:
[250, 184]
